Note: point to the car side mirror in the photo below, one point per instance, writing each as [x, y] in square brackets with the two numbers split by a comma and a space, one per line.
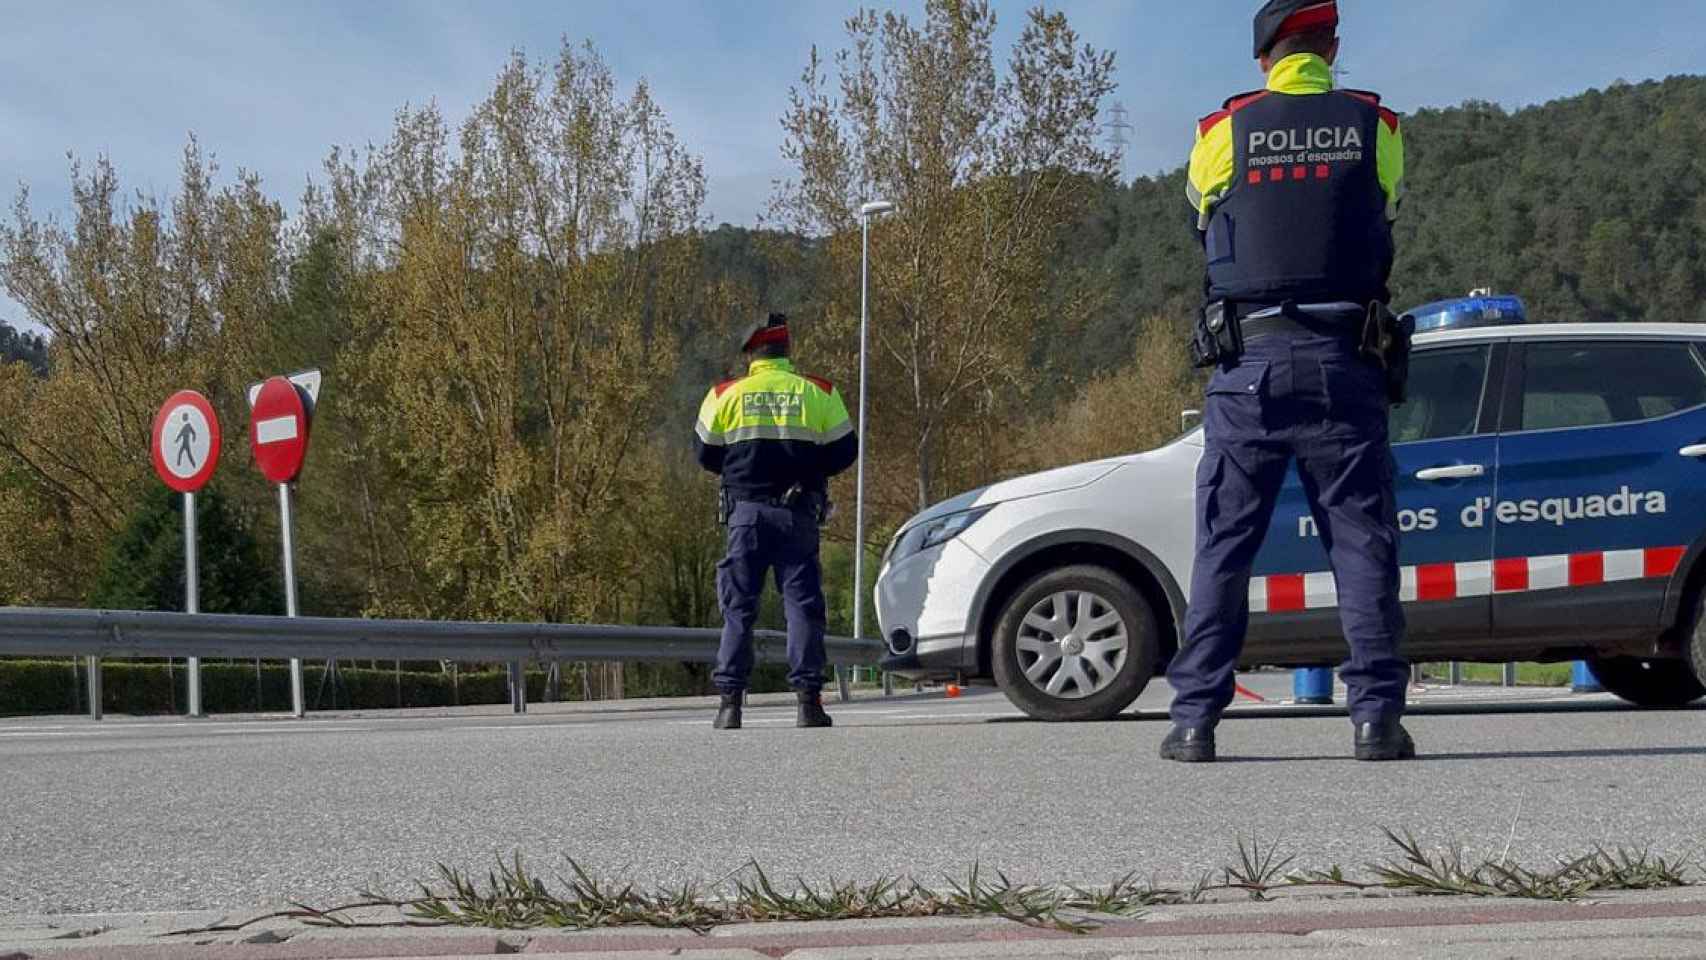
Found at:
[1188, 419]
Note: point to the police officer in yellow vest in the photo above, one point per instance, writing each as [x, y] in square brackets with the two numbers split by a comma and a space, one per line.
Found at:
[775, 436]
[1294, 189]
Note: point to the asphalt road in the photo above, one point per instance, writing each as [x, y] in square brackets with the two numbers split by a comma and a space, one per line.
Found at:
[170, 814]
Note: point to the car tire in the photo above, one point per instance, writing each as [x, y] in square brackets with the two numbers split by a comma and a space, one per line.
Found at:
[1697, 643]
[1647, 682]
[1075, 643]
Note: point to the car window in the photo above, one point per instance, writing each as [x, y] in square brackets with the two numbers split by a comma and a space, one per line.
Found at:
[1444, 395]
[1592, 384]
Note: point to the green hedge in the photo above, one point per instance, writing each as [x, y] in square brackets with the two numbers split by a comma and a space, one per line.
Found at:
[143, 687]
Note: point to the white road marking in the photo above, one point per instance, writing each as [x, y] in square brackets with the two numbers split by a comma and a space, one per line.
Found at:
[285, 723]
[957, 715]
[272, 730]
[878, 721]
[539, 725]
[749, 721]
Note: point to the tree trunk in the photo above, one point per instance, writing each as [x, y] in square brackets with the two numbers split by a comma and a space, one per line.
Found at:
[926, 452]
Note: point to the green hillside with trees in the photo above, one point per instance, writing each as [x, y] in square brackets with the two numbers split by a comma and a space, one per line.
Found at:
[22, 347]
[517, 311]
[1593, 208]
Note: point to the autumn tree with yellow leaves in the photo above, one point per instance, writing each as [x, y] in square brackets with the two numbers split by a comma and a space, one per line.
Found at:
[141, 297]
[500, 303]
[989, 162]
[517, 335]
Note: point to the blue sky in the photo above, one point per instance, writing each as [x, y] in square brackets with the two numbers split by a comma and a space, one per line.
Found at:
[271, 86]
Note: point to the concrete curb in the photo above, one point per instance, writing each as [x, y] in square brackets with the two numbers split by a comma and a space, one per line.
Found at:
[1656, 923]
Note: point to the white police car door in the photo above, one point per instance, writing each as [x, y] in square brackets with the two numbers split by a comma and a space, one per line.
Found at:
[1602, 485]
[1444, 445]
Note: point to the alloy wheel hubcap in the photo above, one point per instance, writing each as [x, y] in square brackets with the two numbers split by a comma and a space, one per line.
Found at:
[1072, 644]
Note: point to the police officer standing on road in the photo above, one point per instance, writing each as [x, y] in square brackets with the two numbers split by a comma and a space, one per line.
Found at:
[775, 437]
[1295, 188]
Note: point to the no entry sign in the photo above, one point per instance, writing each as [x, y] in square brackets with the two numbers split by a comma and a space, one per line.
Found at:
[185, 446]
[278, 429]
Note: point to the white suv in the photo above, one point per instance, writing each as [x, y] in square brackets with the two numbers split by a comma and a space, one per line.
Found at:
[1553, 501]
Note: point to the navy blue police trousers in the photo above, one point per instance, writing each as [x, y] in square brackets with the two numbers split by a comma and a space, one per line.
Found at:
[762, 538]
[1316, 402]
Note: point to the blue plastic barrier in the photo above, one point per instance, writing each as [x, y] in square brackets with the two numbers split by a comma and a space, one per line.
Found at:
[1312, 685]
[1582, 679]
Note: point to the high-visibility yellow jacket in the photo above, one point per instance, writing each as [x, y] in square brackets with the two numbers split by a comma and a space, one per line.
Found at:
[772, 429]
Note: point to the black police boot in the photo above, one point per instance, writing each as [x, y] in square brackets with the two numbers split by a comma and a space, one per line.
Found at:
[728, 715]
[811, 710]
[1189, 744]
[1384, 739]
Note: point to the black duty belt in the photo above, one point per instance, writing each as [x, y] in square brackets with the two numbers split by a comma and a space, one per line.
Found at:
[805, 500]
[1346, 325]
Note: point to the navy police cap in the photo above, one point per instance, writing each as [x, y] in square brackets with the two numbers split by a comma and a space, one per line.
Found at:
[1280, 18]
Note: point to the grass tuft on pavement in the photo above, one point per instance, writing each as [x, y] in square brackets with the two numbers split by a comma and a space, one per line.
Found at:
[510, 897]
[1447, 873]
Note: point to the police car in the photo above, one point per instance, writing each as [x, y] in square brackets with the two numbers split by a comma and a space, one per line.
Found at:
[1552, 494]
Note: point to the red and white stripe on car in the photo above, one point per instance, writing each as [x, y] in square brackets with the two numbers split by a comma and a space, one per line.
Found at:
[1284, 593]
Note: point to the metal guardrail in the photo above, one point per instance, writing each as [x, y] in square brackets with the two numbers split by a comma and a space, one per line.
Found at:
[36, 631]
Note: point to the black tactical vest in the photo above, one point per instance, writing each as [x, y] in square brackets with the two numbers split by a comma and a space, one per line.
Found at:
[1305, 216]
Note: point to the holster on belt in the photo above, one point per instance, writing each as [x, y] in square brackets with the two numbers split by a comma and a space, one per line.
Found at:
[725, 506]
[1386, 341]
[818, 502]
[1218, 336]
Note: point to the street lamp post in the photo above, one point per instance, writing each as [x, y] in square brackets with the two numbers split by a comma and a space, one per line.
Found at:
[866, 212]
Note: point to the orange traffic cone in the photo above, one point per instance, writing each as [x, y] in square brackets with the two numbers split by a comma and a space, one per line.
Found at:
[952, 690]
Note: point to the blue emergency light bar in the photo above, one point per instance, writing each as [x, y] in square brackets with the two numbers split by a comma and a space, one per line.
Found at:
[1472, 311]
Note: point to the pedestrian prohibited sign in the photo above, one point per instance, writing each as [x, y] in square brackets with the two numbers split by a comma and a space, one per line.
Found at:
[278, 427]
[185, 447]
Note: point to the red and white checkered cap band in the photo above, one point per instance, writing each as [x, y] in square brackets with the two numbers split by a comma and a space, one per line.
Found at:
[1283, 593]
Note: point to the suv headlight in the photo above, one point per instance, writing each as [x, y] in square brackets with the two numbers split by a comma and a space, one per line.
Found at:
[934, 532]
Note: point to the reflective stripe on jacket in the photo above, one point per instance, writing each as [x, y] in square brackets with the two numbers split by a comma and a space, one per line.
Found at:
[774, 428]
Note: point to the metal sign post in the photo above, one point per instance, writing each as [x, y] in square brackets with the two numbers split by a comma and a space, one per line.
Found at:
[297, 707]
[518, 686]
[192, 598]
[866, 212]
[280, 410]
[94, 665]
[185, 451]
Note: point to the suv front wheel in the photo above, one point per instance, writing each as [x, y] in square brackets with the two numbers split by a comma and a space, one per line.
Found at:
[1697, 644]
[1077, 643]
